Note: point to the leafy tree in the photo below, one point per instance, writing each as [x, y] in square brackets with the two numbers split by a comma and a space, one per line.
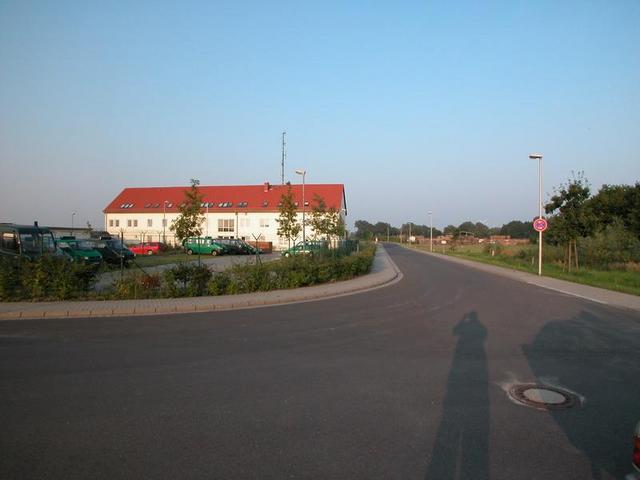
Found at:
[364, 229]
[288, 226]
[451, 230]
[326, 221]
[467, 227]
[518, 229]
[615, 203]
[320, 220]
[481, 230]
[337, 226]
[189, 221]
[571, 219]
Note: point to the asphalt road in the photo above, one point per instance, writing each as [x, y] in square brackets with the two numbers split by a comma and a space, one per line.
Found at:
[404, 382]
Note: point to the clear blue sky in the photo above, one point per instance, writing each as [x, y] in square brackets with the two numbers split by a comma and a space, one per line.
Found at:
[414, 106]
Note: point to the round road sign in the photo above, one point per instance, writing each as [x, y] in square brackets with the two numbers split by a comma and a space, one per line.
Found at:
[540, 224]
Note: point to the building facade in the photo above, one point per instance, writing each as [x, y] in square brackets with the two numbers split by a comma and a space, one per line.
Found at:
[248, 212]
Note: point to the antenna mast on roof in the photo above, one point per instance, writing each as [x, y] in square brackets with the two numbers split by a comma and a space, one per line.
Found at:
[284, 155]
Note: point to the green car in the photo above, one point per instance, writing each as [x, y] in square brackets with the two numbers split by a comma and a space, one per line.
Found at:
[203, 246]
[308, 249]
[80, 251]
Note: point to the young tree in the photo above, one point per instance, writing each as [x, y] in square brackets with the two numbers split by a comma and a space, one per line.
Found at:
[326, 221]
[288, 225]
[319, 218]
[189, 221]
[571, 218]
[336, 223]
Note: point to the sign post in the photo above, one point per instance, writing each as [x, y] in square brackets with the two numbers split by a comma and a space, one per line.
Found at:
[540, 225]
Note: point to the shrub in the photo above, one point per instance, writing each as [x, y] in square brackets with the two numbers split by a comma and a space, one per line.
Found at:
[187, 280]
[292, 272]
[614, 244]
[138, 285]
[47, 278]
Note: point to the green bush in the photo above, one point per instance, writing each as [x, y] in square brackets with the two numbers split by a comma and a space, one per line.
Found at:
[138, 285]
[187, 280]
[614, 244]
[47, 278]
[292, 272]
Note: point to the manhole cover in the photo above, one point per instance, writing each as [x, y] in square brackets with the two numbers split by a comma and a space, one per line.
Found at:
[542, 397]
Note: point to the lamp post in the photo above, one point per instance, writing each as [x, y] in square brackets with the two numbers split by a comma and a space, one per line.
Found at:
[538, 156]
[164, 221]
[304, 241]
[72, 215]
[430, 231]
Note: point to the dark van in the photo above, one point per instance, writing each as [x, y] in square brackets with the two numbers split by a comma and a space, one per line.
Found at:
[26, 241]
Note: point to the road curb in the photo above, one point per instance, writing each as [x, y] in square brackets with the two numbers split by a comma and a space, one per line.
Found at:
[597, 295]
[384, 272]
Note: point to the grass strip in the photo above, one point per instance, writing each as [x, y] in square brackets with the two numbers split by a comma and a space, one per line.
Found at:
[616, 280]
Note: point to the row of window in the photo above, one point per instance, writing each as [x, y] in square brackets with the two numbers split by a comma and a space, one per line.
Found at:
[224, 225]
[134, 222]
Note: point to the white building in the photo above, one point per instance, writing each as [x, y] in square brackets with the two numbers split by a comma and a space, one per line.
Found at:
[244, 211]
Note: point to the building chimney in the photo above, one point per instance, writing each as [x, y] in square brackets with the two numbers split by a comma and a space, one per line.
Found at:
[266, 186]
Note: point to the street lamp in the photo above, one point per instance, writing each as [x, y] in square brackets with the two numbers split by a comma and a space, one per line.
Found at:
[72, 215]
[303, 173]
[538, 156]
[430, 231]
[164, 221]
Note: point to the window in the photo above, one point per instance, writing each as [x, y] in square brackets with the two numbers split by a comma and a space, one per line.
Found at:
[226, 225]
[128, 222]
[149, 222]
[117, 223]
[135, 223]
[264, 223]
[111, 223]
[9, 241]
[244, 222]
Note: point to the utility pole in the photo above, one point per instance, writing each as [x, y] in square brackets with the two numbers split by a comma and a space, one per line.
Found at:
[387, 233]
[284, 155]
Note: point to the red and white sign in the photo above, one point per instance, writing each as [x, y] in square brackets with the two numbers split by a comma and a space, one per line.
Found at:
[540, 224]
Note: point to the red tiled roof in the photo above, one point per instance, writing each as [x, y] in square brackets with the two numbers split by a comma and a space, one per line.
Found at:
[151, 199]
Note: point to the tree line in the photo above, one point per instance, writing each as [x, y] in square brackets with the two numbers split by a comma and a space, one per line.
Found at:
[572, 213]
[515, 229]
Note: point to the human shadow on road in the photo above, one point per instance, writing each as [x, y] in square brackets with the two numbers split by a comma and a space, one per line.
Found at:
[461, 448]
[597, 356]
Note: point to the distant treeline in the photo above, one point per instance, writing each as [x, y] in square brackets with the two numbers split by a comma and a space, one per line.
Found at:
[515, 228]
[573, 213]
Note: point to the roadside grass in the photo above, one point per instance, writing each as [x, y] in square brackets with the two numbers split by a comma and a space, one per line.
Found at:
[617, 280]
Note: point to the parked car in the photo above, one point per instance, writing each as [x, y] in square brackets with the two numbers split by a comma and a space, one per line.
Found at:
[250, 249]
[148, 248]
[112, 250]
[26, 241]
[308, 248]
[204, 246]
[237, 246]
[80, 251]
